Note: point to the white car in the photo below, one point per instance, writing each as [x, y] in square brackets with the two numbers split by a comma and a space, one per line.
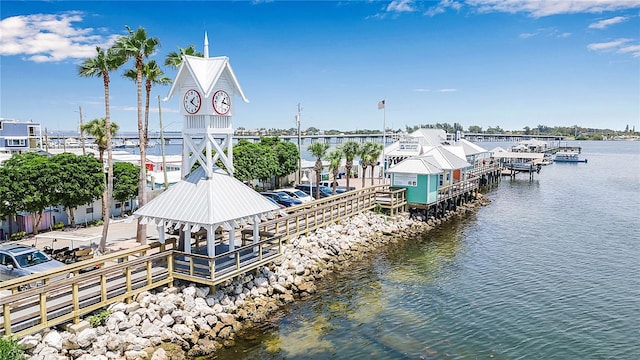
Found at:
[297, 194]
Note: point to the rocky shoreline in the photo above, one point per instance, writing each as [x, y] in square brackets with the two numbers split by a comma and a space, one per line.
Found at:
[189, 321]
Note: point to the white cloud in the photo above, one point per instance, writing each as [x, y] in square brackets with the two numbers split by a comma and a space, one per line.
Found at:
[620, 46]
[446, 90]
[50, 37]
[633, 49]
[607, 22]
[401, 6]
[605, 46]
[540, 8]
[527, 35]
[421, 90]
[442, 6]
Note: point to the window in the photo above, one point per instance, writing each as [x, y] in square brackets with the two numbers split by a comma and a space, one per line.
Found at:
[118, 205]
[32, 131]
[0, 125]
[16, 142]
[126, 204]
[441, 180]
[89, 210]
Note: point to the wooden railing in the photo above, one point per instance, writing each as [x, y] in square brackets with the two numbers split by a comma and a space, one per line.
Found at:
[69, 293]
[66, 294]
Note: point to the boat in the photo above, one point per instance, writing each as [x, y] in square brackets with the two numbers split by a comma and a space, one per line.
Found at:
[565, 156]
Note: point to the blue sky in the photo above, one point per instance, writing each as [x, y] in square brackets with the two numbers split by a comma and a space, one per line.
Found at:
[476, 62]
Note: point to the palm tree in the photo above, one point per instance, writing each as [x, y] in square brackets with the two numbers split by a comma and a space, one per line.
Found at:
[139, 46]
[375, 151]
[174, 58]
[350, 149]
[96, 128]
[335, 158]
[100, 66]
[365, 158]
[318, 150]
[152, 75]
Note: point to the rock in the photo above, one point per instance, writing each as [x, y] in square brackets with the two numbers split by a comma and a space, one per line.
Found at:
[113, 342]
[53, 339]
[168, 320]
[86, 337]
[118, 307]
[189, 291]
[132, 307]
[159, 354]
[202, 292]
[136, 355]
[30, 341]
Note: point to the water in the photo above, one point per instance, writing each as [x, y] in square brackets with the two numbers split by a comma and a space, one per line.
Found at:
[549, 270]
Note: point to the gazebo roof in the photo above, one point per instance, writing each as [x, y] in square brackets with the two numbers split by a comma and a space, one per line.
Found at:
[198, 201]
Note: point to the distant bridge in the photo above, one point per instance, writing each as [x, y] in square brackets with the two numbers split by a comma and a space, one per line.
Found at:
[175, 137]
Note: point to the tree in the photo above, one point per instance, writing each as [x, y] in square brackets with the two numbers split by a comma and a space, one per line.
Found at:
[365, 158]
[125, 181]
[152, 75]
[138, 46]
[335, 159]
[287, 154]
[11, 197]
[100, 66]
[350, 149]
[34, 191]
[79, 180]
[96, 128]
[318, 150]
[174, 58]
[375, 150]
[254, 161]
[475, 129]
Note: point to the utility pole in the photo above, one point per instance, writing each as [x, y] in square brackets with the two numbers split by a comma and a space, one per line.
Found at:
[299, 144]
[81, 132]
[164, 160]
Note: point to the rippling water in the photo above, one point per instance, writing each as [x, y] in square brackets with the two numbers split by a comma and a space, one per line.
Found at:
[549, 270]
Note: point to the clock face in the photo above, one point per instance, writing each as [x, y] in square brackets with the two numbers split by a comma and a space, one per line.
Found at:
[221, 102]
[191, 101]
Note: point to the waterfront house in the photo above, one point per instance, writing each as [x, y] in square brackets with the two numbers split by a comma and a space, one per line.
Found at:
[17, 137]
[424, 176]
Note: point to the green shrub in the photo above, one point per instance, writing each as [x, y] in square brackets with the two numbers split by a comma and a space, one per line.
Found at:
[18, 235]
[11, 350]
[100, 318]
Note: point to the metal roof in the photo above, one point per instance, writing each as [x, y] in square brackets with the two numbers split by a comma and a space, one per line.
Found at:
[423, 165]
[198, 201]
[448, 160]
[205, 72]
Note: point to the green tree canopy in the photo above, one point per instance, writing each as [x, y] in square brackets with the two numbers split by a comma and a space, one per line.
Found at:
[125, 181]
[254, 161]
[34, 190]
[79, 181]
[287, 154]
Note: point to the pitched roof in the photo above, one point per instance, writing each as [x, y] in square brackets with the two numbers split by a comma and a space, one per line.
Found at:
[205, 72]
[197, 201]
[423, 165]
[448, 160]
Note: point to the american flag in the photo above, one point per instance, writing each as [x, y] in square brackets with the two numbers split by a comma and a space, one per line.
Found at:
[381, 104]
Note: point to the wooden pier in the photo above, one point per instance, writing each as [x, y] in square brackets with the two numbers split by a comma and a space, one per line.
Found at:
[124, 274]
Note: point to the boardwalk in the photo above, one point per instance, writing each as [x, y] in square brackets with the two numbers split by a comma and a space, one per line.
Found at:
[124, 274]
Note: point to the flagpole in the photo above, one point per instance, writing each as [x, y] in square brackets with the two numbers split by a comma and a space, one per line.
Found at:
[384, 138]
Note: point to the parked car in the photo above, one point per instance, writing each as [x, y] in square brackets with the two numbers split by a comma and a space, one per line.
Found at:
[339, 189]
[275, 202]
[281, 198]
[18, 260]
[298, 194]
[311, 190]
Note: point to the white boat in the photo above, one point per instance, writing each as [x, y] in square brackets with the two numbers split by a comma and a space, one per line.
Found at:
[564, 156]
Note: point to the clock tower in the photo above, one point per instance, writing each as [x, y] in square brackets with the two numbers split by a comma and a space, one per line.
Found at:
[207, 87]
